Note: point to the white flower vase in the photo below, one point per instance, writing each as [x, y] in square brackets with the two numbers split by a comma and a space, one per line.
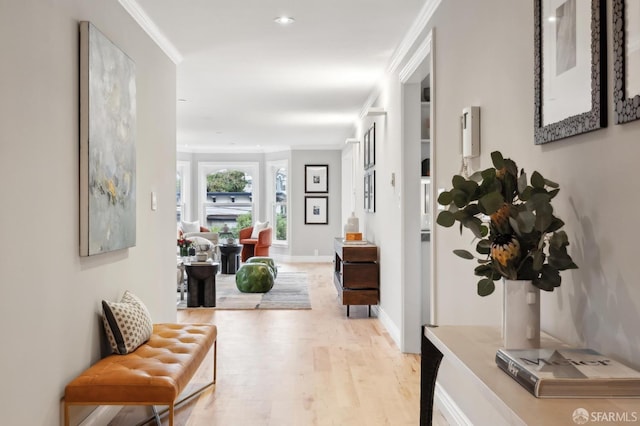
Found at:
[520, 315]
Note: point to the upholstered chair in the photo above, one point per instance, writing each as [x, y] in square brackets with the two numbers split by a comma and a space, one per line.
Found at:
[255, 245]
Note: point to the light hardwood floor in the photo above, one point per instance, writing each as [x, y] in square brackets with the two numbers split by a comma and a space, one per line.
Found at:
[304, 367]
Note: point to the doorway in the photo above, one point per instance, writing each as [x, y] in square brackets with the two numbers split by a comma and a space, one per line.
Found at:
[418, 144]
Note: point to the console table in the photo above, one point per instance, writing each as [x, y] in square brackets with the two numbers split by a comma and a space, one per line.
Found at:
[463, 360]
[356, 273]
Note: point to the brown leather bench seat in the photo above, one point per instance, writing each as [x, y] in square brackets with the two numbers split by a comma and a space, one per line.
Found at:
[154, 374]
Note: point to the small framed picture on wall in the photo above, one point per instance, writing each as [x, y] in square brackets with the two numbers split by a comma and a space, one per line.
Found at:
[316, 210]
[316, 178]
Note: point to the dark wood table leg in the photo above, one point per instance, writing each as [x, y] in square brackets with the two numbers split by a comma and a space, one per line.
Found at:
[429, 364]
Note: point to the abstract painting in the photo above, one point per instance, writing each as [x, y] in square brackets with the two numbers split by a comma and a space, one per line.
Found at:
[107, 145]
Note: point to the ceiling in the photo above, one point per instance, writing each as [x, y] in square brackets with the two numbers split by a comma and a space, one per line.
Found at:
[246, 83]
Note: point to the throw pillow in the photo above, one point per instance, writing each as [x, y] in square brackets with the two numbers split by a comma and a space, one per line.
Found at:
[127, 323]
[190, 226]
[259, 226]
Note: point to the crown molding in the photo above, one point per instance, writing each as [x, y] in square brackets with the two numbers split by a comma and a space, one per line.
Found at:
[146, 23]
[412, 35]
[416, 59]
[375, 93]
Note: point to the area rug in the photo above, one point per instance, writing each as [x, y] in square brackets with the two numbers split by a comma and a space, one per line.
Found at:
[290, 291]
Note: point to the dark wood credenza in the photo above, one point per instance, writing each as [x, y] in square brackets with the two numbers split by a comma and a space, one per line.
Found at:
[356, 274]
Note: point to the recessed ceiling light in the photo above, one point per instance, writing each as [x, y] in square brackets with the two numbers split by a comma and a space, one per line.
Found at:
[284, 20]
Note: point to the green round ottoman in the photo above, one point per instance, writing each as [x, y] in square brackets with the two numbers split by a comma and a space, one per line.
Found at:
[254, 278]
[267, 261]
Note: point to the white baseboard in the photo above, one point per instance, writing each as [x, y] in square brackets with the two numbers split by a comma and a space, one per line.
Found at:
[101, 416]
[449, 409]
[391, 327]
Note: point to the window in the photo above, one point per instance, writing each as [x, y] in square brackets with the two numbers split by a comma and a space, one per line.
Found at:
[228, 195]
[183, 177]
[278, 203]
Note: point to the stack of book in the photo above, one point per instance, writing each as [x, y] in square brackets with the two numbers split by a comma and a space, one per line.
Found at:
[354, 238]
[569, 373]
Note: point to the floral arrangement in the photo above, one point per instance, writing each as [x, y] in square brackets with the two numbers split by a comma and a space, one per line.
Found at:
[184, 243]
[519, 238]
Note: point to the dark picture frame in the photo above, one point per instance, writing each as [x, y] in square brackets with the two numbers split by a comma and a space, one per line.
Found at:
[316, 210]
[369, 192]
[574, 123]
[316, 178]
[626, 106]
[370, 147]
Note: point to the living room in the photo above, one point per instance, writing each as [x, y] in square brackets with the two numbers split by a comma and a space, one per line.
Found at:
[482, 55]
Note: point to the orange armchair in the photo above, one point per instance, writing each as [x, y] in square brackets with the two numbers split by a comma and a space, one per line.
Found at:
[255, 247]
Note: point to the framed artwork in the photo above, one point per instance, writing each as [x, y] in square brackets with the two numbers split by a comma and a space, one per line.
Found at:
[316, 178]
[315, 210]
[107, 145]
[626, 62]
[570, 68]
[370, 147]
[370, 191]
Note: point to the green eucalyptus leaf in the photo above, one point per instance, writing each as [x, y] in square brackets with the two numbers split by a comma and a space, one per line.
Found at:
[526, 221]
[497, 159]
[483, 247]
[460, 198]
[475, 225]
[526, 193]
[446, 219]
[544, 217]
[537, 200]
[553, 193]
[458, 181]
[485, 287]
[463, 254]
[514, 225]
[551, 184]
[538, 260]
[488, 175]
[512, 169]
[476, 177]
[491, 202]
[461, 216]
[555, 225]
[445, 198]
[537, 181]
[483, 270]
[484, 231]
[559, 239]
[522, 182]
[469, 187]
[472, 210]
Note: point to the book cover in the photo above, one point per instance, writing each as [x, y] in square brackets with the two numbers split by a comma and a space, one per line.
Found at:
[569, 373]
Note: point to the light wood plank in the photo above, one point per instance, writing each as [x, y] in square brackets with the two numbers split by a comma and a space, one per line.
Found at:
[304, 367]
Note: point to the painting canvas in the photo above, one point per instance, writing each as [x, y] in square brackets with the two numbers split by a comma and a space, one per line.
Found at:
[107, 145]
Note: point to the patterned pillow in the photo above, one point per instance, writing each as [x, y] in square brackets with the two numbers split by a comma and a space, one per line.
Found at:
[127, 323]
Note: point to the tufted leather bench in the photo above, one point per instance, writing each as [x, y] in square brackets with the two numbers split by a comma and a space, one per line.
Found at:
[154, 374]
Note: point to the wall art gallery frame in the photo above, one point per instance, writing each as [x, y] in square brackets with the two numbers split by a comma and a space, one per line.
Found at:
[369, 195]
[107, 145]
[316, 178]
[566, 72]
[626, 61]
[316, 210]
[369, 159]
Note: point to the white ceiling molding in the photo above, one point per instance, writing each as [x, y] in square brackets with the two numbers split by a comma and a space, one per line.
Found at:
[416, 59]
[373, 96]
[141, 17]
[373, 111]
[412, 35]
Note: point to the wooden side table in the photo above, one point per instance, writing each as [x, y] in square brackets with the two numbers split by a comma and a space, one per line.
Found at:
[230, 257]
[201, 284]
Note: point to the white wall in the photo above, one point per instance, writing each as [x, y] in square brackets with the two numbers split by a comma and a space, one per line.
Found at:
[313, 241]
[484, 57]
[50, 304]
